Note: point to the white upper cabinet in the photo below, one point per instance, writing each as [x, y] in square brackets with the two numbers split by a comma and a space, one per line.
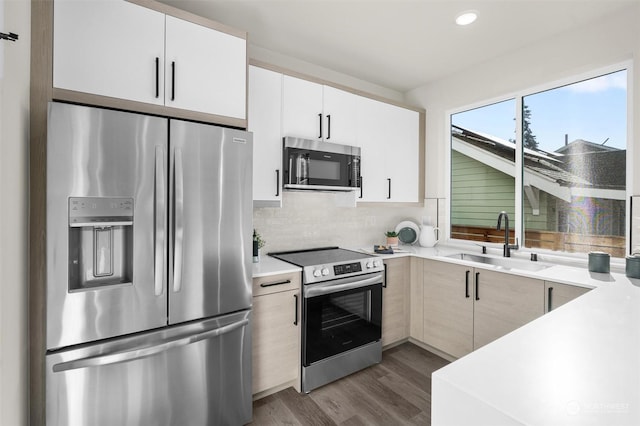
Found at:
[122, 50]
[390, 142]
[302, 109]
[340, 116]
[109, 48]
[403, 157]
[318, 112]
[265, 118]
[388, 135]
[206, 69]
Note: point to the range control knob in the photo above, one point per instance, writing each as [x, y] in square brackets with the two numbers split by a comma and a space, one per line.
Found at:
[377, 263]
[325, 271]
[369, 264]
[317, 273]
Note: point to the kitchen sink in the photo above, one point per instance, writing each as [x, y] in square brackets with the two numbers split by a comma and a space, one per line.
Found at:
[501, 262]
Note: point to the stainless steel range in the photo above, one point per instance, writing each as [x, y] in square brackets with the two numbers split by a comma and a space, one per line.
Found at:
[341, 312]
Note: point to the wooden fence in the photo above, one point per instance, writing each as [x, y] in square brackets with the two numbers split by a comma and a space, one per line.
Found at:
[558, 241]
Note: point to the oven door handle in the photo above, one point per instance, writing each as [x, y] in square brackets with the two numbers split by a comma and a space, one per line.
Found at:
[334, 288]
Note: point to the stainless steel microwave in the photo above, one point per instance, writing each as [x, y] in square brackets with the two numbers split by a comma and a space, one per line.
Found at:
[318, 165]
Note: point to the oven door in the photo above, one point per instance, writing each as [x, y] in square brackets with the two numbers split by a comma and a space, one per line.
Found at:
[341, 315]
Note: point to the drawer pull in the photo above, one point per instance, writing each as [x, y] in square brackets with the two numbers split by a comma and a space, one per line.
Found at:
[275, 283]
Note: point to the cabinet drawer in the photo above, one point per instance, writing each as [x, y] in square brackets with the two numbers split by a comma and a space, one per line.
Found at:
[276, 283]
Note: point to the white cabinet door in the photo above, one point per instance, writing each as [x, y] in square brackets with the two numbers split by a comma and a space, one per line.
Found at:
[340, 116]
[389, 138]
[302, 109]
[206, 70]
[403, 154]
[109, 48]
[265, 117]
[372, 129]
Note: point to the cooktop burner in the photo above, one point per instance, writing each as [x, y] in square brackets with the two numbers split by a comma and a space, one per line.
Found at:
[319, 256]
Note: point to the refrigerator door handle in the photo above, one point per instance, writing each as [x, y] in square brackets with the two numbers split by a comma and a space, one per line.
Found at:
[178, 222]
[160, 219]
[145, 352]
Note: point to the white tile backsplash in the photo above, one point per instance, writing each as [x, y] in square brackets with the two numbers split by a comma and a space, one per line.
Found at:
[316, 219]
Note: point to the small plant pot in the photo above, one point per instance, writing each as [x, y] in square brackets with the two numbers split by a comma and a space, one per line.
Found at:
[392, 241]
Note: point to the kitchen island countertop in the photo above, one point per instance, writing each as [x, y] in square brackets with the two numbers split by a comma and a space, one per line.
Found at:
[577, 365]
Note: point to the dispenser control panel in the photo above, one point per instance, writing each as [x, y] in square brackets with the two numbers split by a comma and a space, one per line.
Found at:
[97, 211]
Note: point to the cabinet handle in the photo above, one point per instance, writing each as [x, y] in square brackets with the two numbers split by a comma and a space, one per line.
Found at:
[385, 276]
[157, 77]
[477, 284]
[173, 80]
[466, 284]
[389, 181]
[275, 283]
[361, 186]
[277, 182]
[295, 318]
[320, 125]
[328, 126]
[549, 302]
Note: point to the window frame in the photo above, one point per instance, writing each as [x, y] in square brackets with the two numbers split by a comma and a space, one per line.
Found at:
[518, 97]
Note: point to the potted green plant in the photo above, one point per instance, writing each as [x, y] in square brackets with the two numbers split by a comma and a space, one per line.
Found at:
[392, 238]
[258, 243]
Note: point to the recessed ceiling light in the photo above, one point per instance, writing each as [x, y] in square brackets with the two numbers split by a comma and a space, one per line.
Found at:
[466, 18]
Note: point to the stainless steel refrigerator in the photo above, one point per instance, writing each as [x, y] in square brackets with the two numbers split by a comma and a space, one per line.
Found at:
[148, 270]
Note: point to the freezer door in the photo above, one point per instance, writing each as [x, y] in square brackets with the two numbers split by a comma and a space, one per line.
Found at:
[211, 219]
[107, 193]
[195, 374]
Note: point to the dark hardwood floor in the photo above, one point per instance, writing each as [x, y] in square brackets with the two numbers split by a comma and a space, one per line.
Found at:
[395, 392]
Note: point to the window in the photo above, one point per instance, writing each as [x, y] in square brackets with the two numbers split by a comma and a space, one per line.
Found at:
[483, 153]
[571, 168]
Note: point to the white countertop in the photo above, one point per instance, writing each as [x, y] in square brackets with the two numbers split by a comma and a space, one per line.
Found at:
[577, 365]
[271, 266]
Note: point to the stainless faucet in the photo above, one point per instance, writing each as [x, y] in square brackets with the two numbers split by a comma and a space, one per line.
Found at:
[506, 250]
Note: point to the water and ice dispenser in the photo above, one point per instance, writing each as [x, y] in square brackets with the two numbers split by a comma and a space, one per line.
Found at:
[100, 242]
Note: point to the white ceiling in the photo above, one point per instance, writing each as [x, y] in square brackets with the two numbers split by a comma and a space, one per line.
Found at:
[399, 44]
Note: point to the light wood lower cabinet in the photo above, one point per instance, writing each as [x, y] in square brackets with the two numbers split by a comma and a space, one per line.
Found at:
[466, 308]
[556, 294]
[395, 312]
[276, 332]
[448, 307]
[502, 303]
[416, 305]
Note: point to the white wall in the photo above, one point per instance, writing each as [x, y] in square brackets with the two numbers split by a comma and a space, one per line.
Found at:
[14, 136]
[613, 40]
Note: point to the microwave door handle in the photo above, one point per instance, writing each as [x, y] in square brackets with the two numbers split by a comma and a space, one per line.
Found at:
[333, 288]
[160, 219]
[145, 352]
[178, 222]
